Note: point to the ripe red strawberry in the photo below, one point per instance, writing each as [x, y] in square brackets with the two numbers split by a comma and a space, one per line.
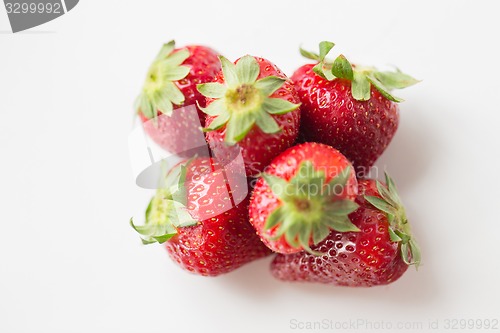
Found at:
[349, 107]
[203, 223]
[167, 104]
[379, 254]
[305, 192]
[253, 107]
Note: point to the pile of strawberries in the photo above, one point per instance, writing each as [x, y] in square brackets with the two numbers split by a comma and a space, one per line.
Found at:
[283, 169]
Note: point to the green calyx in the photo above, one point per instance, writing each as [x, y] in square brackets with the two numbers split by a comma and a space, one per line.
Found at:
[243, 101]
[159, 92]
[399, 227]
[361, 77]
[309, 207]
[167, 210]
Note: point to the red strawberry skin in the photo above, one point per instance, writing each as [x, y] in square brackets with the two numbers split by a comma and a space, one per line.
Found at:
[357, 259]
[179, 134]
[223, 239]
[259, 148]
[361, 130]
[176, 133]
[205, 65]
[285, 166]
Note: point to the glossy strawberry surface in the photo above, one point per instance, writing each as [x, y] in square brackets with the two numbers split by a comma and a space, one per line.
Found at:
[223, 239]
[286, 165]
[359, 259]
[361, 130]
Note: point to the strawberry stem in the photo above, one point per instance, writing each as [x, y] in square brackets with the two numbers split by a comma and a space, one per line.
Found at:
[310, 207]
[166, 211]
[362, 78]
[399, 226]
[159, 92]
[243, 100]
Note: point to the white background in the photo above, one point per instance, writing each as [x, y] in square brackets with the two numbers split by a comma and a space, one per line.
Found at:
[69, 262]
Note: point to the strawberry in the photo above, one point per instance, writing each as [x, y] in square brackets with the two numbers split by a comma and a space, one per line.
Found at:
[305, 192]
[167, 105]
[203, 223]
[379, 254]
[252, 108]
[349, 107]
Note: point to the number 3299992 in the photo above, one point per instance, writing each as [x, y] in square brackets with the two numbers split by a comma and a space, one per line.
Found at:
[32, 7]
